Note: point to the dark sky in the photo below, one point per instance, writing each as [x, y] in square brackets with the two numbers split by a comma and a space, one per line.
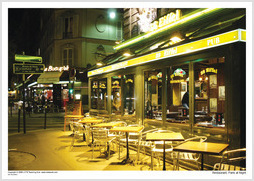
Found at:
[23, 34]
[24, 29]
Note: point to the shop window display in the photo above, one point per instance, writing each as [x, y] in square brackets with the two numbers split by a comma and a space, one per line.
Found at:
[99, 94]
[116, 94]
[153, 94]
[178, 94]
[102, 94]
[128, 94]
[94, 94]
[210, 93]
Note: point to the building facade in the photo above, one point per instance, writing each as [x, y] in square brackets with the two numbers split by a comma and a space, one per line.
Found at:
[186, 74]
[78, 38]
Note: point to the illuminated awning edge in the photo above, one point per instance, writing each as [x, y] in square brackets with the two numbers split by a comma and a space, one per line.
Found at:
[206, 43]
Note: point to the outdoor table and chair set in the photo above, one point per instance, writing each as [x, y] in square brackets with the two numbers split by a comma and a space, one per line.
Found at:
[156, 143]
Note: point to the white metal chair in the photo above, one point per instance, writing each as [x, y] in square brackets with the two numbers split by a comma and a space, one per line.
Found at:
[119, 136]
[133, 139]
[177, 156]
[157, 148]
[78, 133]
[101, 139]
[231, 160]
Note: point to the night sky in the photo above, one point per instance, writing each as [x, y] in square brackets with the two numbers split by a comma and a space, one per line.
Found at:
[23, 34]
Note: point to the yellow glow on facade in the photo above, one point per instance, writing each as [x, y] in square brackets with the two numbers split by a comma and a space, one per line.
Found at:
[164, 28]
[210, 42]
[126, 54]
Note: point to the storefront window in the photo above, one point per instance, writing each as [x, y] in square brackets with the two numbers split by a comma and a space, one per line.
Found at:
[153, 94]
[128, 94]
[99, 94]
[116, 94]
[94, 94]
[210, 93]
[178, 94]
[102, 97]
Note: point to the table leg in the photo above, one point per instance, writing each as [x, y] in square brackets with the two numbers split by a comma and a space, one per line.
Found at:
[127, 146]
[164, 156]
[202, 161]
[127, 159]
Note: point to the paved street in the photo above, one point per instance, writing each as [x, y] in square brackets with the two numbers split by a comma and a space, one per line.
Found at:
[49, 149]
[35, 121]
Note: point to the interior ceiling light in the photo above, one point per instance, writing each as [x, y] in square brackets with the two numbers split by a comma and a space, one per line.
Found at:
[175, 39]
[99, 63]
[126, 54]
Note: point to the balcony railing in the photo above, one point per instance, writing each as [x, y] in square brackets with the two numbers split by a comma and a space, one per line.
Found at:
[67, 35]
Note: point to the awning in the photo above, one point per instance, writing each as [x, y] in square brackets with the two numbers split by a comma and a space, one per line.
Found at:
[49, 77]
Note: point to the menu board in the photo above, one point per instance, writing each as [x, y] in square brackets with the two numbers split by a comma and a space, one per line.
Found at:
[74, 108]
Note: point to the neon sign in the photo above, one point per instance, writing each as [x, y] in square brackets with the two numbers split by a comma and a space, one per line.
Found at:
[165, 20]
[209, 70]
[60, 69]
[178, 73]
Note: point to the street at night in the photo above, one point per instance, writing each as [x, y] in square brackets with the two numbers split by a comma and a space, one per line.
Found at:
[145, 92]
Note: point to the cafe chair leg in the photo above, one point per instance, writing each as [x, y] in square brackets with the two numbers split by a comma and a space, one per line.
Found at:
[152, 161]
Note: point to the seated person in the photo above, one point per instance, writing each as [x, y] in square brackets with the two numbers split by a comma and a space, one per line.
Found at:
[185, 100]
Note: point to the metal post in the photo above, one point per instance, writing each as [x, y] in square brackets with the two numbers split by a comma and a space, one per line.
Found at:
[45, 120]
[24, 112]
[164, 156]
[19, 119]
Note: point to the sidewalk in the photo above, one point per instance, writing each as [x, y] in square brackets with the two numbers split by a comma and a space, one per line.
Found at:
[50, 150]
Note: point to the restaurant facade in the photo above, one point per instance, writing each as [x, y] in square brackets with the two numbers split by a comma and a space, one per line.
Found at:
[186, 74]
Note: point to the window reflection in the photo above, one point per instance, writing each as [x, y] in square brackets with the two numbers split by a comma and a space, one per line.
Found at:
[178, 94]
[128, 91]
[116, 94]
[102, 97]
[153, 94]
[99, 94]
[210, 93]
[94, 94]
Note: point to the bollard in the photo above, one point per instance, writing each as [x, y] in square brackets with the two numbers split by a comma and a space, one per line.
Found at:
[19, 119]
[45, 121]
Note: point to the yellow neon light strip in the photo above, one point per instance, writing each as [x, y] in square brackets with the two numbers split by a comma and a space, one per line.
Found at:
[149, 34]
[214, 41]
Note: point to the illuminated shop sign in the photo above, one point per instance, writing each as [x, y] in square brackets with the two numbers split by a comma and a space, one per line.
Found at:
[208, 70]
[60, 69]
[129, 80]
[102, 86]
[211, 42]
[177, 81]
[165, 24]
[178, 73]
[152, 77]
[166, 20]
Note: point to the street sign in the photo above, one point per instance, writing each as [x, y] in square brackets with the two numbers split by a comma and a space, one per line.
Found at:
[28, 68]
[27, 58]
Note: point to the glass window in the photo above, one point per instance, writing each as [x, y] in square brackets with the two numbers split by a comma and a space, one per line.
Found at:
[128, 94]
[102, 97]
[116, 94]
[210, 93]
[94, 94]
[153, 94]
[68, 24]
[178, 94]
[68, 57]
[99, 94]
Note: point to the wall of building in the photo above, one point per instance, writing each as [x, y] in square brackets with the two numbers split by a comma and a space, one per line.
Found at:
[91, 28]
